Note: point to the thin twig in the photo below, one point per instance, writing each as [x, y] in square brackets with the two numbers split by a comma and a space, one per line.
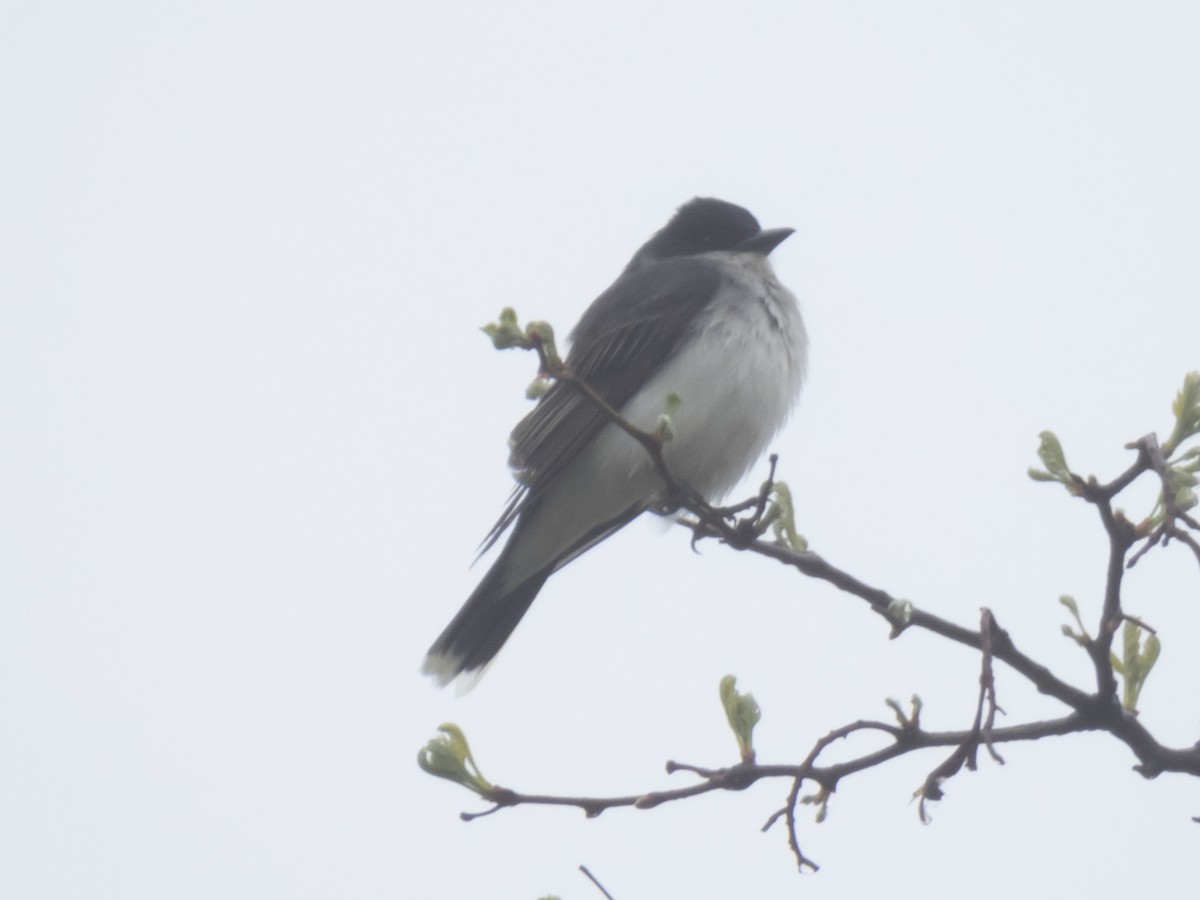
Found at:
[595, 881]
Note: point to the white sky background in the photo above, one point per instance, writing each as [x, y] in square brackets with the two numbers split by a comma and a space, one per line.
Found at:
[250, 435]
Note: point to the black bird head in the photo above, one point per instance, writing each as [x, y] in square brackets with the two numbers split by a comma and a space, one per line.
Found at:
[705, 225]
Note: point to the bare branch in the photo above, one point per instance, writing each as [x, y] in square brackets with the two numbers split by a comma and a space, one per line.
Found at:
[742, 775]
[1087, 711]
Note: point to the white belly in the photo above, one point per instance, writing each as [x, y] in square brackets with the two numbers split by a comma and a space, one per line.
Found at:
[737, 376]
[738, 379]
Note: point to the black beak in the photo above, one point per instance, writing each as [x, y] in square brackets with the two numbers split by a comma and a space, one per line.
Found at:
[765, 241]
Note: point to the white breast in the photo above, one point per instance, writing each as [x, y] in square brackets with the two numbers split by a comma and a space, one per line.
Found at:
[738, 378]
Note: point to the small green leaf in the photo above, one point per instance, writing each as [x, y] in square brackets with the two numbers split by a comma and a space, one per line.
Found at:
[820, 801]
[1187, 413]
[1070, 632]
[1150, 652]
[1081, 637]
[1131, 637]
[506, 332]
[742, 713]
[665, 428]
[1189, 462]
[782, 516]
[449, 756]
[1050, 452]
[1181, 481]
[538, 387]
[1139, 659]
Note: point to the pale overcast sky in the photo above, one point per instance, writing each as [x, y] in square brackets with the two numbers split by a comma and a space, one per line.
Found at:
[250, 435]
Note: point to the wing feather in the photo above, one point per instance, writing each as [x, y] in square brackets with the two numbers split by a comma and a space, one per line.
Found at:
[625, 336]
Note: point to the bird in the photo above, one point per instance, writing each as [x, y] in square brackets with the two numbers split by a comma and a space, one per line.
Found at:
[698, 313]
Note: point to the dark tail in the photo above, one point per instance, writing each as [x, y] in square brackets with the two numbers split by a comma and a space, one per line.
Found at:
[495, 608]
[483, 624]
